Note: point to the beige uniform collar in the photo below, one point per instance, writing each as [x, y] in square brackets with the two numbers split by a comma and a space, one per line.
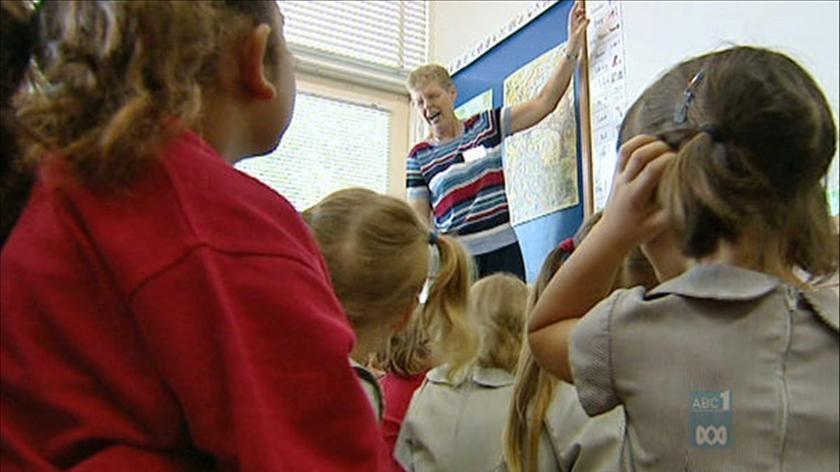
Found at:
[730, 283]
[487, 377]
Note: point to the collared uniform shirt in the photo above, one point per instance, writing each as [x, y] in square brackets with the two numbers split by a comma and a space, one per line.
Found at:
[719, 369]
[571, 441]
[456, 426]
[578, 443]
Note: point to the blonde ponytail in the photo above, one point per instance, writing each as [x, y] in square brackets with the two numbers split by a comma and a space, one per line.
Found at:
[454, 334]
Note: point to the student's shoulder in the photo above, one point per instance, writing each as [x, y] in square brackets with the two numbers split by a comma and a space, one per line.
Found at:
[230, 209]
[624, 299]
[825, 302]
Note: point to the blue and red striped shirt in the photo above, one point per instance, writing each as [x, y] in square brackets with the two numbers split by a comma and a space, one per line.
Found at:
[467, 195]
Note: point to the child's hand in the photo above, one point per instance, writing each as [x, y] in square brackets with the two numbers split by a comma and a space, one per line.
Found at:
[632, 215]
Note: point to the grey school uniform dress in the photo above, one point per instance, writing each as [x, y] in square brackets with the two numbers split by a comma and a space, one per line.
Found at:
[571, 441]
[456, 426]
[720, 369]
[576, 442]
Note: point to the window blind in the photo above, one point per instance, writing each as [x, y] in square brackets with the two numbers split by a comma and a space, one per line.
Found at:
[331, 144]
[388, 33]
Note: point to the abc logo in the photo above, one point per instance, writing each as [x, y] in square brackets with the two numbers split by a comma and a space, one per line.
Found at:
[710, 435]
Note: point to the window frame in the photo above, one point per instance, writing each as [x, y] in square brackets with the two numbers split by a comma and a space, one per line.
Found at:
[396, 104]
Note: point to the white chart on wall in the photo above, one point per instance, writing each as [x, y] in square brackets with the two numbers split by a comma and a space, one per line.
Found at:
[607, 91]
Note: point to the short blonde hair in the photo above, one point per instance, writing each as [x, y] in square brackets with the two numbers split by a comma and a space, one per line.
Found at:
[428, 73]
[498, 304]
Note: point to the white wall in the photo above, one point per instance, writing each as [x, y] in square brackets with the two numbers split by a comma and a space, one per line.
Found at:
[456, 26]
[658, 34]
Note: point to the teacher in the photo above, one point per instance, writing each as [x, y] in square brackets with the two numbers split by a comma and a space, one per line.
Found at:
[454, 178]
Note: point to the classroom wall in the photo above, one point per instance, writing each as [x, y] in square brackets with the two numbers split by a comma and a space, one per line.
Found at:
[658, 34]
[455, 26]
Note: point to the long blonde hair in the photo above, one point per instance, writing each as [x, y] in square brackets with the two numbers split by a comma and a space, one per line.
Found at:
[378, 253]
[498, 304]
[116, 73]
[534, 389]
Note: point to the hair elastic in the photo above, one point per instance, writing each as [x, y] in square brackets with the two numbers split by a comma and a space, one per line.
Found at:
[567, 245]
[433, 238]
[712, 130]
[434, 267]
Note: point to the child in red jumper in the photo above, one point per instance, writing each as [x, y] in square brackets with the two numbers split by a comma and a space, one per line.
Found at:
[160, 309]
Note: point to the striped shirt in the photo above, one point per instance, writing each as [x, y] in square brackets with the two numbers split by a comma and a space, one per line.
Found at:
[465, 184]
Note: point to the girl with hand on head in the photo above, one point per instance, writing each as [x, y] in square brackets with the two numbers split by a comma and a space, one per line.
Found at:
[142, 323]
[727, 151]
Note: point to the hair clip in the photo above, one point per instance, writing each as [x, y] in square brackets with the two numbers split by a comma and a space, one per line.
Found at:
[681, 113]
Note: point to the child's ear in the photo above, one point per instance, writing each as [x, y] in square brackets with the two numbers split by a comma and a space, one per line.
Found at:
[252, 71]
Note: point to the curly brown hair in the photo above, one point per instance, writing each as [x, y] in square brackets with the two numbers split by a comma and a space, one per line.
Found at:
[116, 74]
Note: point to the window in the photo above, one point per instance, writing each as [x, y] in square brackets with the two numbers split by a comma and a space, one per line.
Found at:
[390, 34]
[351, 122]
[352, 138]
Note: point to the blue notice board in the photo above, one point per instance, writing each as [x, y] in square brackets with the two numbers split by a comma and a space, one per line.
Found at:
[540, 236]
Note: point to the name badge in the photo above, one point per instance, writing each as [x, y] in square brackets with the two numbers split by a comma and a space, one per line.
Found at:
[474, 154]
